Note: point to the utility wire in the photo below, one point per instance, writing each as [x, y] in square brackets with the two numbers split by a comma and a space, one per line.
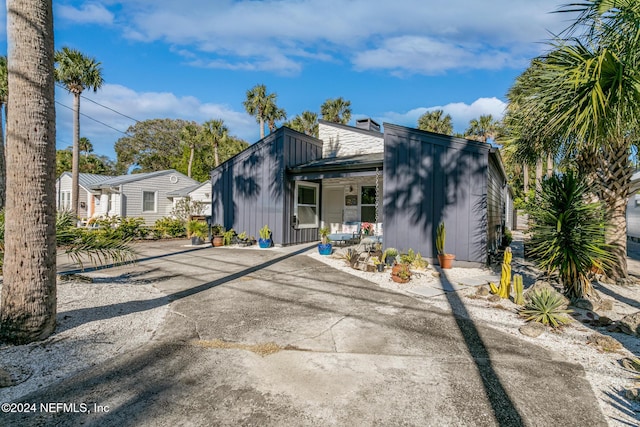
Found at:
[95, 120]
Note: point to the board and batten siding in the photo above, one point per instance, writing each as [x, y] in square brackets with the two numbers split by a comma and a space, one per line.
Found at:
[131, 196]
[495, 205]
[252, 189]
[341, 140]
[429, 178]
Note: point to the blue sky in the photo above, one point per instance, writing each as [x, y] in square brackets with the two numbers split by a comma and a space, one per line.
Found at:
[195, 59]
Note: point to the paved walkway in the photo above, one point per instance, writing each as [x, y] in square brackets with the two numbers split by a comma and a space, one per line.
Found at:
[346, 352]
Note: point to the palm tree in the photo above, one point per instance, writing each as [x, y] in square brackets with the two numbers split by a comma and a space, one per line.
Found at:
[77, 72]
[28, 303]
[257, 103]
[483, 128]
[191, 135]
[307, 123]
[215, 132]
[273, 114]
[85, 146]
[587, 90]
[433, 121]
[336, 110]
[4, 95]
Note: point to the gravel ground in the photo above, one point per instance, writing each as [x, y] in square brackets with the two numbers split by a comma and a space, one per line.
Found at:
[603, 370]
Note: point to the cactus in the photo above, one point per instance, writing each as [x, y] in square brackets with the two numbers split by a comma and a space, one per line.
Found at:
[441, 235]
[505, 277]
[518, 287]
[494, 288]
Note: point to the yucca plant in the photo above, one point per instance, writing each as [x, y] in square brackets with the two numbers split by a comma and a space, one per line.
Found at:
[546, 307]
[568, 233]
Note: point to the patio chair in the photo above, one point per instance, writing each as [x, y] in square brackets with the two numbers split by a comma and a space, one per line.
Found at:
[350, 234]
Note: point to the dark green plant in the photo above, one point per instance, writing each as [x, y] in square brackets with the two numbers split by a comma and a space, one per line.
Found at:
[198, 229]
[123, 227]
[217, 230]
[546, 307]
[568, 233]
[408, 258]
[228, 236]
[170, 227]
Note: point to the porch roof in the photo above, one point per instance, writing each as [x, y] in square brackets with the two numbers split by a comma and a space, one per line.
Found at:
[339, 167]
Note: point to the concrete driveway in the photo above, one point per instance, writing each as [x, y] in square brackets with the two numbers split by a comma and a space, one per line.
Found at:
[273, 337]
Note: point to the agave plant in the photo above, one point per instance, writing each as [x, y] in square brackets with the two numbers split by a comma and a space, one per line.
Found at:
[568, 233]
[546, 307]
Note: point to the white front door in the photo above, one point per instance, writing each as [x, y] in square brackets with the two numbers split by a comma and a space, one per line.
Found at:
[332, 206]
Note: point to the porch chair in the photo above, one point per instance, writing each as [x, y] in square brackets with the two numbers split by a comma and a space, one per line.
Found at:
[350, 234]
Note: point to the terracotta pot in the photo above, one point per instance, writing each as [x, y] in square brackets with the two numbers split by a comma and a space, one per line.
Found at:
[446, 260]
[398, 279]
[217, 241]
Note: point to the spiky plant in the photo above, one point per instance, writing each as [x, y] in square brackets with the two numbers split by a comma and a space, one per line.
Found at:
[568, 233]
[546, 307]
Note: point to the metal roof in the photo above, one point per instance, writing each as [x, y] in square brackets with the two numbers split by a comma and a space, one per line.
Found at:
[184, 192]
[342, 163]
[89, 180]
[114, 181]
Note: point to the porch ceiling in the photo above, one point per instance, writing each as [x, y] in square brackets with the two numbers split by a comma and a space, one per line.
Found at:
[337, 167]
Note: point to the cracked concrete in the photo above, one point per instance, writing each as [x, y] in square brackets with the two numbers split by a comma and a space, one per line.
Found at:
[370, 356]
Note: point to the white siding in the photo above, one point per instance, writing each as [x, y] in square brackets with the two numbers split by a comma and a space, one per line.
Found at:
[203, 194]
[338, 141]
[63, 186]
[633, 216]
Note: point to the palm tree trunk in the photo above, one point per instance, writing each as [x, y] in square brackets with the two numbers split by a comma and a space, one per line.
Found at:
[28, 303]
[539, 174]
[191, 155]
[215, 155]
[525, 180]
[3, 170]
[549, 165]
[261, 127]
[614, 176]
[75, 159]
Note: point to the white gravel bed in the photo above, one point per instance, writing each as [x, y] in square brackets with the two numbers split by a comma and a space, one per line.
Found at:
[603, 370]
[96, 321]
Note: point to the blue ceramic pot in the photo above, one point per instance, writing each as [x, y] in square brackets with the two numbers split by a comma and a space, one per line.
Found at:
[324, 248]
[264, 243]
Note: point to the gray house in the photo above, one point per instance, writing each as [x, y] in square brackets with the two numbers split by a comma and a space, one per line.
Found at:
[404, 181]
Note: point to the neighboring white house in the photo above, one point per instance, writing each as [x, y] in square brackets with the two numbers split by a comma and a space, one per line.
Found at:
[199, 192]
[144, 195]
[633, 208]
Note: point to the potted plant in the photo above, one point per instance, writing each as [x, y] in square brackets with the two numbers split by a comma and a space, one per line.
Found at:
[217, 231]
[197, 230]
[265, 237]
[389, 256]
[324, 247]
[445, 259]
[377, 262]
[400, 273]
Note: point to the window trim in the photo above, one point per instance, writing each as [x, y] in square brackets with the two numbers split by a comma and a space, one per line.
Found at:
[316, 188]
[155, 202]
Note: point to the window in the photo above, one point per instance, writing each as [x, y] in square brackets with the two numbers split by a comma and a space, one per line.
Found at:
[306, 207]
[368, 204]
[148, 201]
[65, 200]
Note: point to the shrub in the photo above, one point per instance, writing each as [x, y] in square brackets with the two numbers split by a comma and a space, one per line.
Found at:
[124, 228]
[546, 307]
[567, 233]
[408, 258]
[170, 227]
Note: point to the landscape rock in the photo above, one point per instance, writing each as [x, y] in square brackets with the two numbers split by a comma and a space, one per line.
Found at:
[494, 298]
[436, 274]
[605, 305]
[632, 394]
[630, 324]
[583, 303]
[482, 291]
[604, 342]
[532, 329]
[604, 321]
[5, 379]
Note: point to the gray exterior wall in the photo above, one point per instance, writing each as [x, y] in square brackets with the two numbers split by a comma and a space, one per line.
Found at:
[633, 217]
[496, 204]
[429, 178]
[131, 195]
[252, 188]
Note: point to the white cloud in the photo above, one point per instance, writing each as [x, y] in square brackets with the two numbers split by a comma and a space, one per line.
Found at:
[88, 13]
[140, 106]
[460, 112]
[402, 36]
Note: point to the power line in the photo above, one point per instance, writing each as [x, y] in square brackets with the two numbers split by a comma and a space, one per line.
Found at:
[95, 120]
